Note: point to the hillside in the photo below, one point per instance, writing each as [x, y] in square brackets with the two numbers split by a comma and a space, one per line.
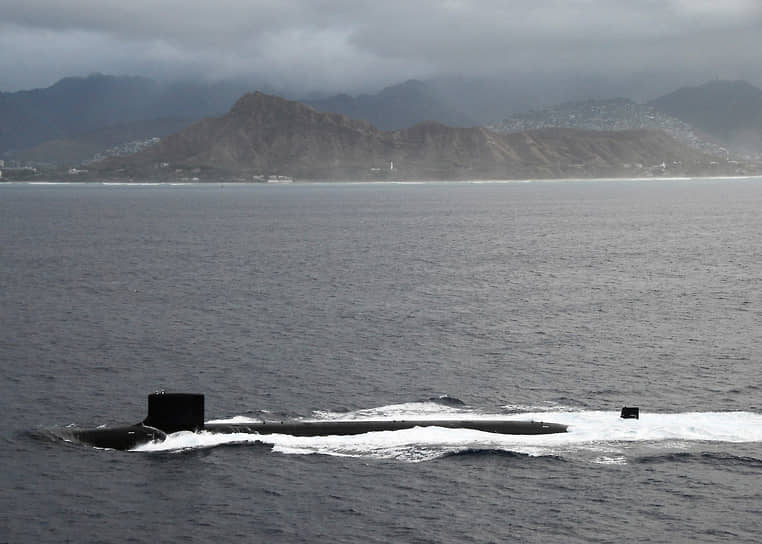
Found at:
[84, 147]
[611, 114]
[268, 135]
[728, 112]
[76, 106]
[78, 118]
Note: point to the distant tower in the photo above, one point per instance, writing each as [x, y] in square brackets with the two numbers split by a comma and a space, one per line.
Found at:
[391, 165]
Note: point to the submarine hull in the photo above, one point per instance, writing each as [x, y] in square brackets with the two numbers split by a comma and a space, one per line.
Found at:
[116, 438]
[328, 428]
[173, 412]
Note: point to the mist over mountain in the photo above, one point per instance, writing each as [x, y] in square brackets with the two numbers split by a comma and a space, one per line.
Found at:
[57, 124]
[78, 105]
[395, 107]
[728, 112]
[86, 146]
[77, 118]
[611, 114]
[267, 135]
[488, 98]
[470, 101]
[717, 117]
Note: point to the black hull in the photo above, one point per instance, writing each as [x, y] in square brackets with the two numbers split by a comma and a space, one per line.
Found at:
[115, 438]
[330, 428]
[173, 412]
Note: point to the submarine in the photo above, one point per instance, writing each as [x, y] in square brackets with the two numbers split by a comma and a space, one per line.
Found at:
[172, 412]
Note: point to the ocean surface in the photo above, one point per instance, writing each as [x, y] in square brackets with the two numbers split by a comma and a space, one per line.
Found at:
[559, 301]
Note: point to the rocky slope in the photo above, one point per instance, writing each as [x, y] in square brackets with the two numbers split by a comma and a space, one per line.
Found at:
[266, 135]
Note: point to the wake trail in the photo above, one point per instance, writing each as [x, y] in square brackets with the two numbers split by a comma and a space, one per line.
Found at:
[600, 435]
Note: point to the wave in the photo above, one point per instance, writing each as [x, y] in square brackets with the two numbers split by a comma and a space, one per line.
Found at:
[710, 458]
[446, 400]
[486, 452]
[432, 408]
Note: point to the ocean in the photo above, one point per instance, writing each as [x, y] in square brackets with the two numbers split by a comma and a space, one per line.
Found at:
[554, 301]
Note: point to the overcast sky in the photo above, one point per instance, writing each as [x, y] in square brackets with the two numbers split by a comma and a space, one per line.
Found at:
[335, 45]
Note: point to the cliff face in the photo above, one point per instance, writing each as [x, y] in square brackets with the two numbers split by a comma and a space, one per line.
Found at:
[264, 134]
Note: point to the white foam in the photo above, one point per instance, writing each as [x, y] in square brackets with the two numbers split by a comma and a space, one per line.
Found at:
[236, 419]
[187, 440]
[547, 407]
[131, 184]
[408, 410]
[600, 436]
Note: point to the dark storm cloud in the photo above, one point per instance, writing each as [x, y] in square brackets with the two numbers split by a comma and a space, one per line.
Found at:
[339, 44]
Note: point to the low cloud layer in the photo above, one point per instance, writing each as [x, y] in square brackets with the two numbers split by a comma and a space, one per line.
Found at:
[335, 45]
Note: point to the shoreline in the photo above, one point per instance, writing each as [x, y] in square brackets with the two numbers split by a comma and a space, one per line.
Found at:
[653, 179]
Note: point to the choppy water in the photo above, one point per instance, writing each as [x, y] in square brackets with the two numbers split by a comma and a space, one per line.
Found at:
[553, 301]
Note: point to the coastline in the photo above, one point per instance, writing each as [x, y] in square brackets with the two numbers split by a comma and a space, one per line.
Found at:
[136, 183]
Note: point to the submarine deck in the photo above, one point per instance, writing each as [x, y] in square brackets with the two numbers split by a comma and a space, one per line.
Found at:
[320, 428]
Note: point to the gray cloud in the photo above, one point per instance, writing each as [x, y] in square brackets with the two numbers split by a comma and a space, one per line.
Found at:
[335, 45]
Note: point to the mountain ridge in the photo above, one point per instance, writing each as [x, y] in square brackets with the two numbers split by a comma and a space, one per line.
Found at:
[61, 116]
[728, 112]
[264, 134]
[395, 107]
[74, 106]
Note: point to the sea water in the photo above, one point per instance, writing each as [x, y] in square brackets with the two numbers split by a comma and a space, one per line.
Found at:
[559, 301]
